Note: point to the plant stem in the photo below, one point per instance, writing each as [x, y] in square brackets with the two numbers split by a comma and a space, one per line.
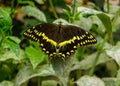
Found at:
[53, 9]
[63, 81]
[108, 6]
[39, 81]
[73, 11]
[94, 64]
[74, 8]
[12, 7]
[98, 55]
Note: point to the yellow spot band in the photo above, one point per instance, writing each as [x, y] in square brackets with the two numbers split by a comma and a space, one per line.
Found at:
[67, 42]
[49, 40]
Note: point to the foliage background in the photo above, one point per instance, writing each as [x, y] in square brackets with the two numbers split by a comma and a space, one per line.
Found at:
[22, 63]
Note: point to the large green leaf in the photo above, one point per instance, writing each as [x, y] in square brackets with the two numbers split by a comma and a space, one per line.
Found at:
[114, 52]
[26, 2]
[11, 42]
[89, 81]
[27, 72]
[9, 55]
[105, 19]
[49, 83]
[10, 49]
[40, 1]
[33, 11]
[85, 10]
[88, 61]
[5, 22]
[116, 20]
[110, 81]
[118, 78]
[35, 56]
[6, 83]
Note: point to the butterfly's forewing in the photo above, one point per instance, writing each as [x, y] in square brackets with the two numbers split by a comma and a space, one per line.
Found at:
[45, 35]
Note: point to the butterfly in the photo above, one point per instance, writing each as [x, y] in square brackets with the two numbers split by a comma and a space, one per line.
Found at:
[59, 40]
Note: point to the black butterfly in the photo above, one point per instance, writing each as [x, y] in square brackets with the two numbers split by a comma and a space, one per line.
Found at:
[59, 40]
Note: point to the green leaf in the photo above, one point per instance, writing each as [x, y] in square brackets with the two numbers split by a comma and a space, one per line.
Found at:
[26, 2]
[112, 8]
[33, 11]
[90, 81]
[85, 23]
[59, 3]
[5, 22]
[27, 72]
[105, 19]
[31, 24]
[49, 83]
[114, 52]
[40, 1]
[10, 49]
[110, 81]
[85, 10]
[88, 61]
[35, 56]
[118, 78]
[12, 43]
[116, 19]
[8, 55]
[62, 68]
[6, 83]
[1, 16]
[1, 35]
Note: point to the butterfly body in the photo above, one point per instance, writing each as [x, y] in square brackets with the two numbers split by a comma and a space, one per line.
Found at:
[59, 40]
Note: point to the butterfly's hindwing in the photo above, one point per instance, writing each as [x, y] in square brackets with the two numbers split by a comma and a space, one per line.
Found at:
[67, 50]
[47, 47]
